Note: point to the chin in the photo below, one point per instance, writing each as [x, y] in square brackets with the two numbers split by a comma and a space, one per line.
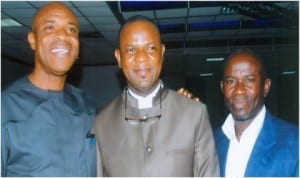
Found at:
[241, 117]
[144, 84]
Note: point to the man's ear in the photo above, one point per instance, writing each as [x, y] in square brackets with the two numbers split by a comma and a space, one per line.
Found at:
[221, 86]
[163, 49]
[31, 40]
[267, 86]
[117, 56]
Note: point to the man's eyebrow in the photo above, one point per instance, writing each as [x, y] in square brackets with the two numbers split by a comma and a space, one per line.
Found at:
[251, 75]
[150, 43]
[53, 21]
[227, 76]
[73, 24]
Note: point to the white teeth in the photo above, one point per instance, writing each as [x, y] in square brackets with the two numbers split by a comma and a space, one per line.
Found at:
[62, 51]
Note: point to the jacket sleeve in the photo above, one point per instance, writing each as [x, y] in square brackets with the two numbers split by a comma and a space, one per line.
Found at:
[100, 172]
[206, 163]
[4, 150]
[4, 135]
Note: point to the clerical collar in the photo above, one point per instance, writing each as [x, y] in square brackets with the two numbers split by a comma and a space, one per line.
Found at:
[147, 101]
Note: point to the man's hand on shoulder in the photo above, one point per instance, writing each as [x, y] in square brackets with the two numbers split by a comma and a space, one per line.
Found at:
[187, 94]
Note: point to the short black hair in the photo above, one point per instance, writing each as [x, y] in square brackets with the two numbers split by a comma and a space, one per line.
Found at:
[136, 18]
[248, 51]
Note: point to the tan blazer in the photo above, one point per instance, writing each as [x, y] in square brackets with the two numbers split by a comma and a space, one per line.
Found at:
[180, 143]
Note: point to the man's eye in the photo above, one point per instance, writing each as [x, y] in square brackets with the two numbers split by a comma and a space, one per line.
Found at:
[151, 48]
[73, 30]
[49, 27]
[130, 50]
[229, 81]
[250, 80]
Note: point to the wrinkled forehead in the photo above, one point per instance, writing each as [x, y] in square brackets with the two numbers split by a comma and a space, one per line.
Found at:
[55, 10]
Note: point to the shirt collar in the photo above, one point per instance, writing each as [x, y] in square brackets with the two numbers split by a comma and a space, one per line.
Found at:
[254, 128]
[146, 102]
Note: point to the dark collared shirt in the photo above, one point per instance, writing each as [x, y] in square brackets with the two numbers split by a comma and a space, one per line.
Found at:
[44, 133]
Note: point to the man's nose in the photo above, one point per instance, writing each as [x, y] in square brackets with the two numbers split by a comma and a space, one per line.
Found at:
[240, 87]
[141, 56]
[60, 34]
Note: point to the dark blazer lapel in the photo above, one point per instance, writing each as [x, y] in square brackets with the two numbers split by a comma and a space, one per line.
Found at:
[261, 155]
[222, 144]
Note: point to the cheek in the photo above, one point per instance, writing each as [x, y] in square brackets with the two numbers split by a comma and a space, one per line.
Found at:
[75, 43]
[126, 63]
[41, 47]
[257, 97]
[43, 42]
[158, 67]
[157, 60]
[126, 68]
[227, 92]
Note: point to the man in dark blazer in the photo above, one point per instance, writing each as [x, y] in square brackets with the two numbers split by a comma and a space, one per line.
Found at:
[150, 130]
[253, 142]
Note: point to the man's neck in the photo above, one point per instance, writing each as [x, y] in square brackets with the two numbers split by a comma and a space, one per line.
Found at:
[143, 93]
[47, 81]
[240, 127]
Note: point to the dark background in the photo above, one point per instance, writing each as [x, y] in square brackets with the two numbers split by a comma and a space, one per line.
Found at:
[192, 32]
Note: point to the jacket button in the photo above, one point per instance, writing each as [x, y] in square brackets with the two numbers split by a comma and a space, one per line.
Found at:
[148, 148]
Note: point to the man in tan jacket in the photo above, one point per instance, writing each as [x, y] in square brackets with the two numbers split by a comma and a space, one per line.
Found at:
[150, 130]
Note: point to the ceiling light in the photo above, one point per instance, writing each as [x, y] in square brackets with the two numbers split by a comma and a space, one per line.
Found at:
[288, 72]
[206, 74]
[9, 23]
[214, 59]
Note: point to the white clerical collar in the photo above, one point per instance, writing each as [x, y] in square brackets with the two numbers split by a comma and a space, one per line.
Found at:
[145, 102]
[254, 127]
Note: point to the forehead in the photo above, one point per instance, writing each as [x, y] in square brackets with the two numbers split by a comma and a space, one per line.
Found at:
[138, 28]
[243, 62]
[56, 11]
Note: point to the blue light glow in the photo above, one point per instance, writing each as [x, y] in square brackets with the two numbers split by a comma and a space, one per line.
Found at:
[215, 24]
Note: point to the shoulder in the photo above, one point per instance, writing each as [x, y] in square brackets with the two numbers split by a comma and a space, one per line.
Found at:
[80, 99]
[109, 113]
[183, 102]
[16, 94]
[281, 125]
[185, 111]
[15, 98]
[79, 93]
[285, 129]
[285, 134]
[16, 87]
[112, 107]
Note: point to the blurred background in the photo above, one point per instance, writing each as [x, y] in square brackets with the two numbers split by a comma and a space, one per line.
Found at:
[198, 36]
